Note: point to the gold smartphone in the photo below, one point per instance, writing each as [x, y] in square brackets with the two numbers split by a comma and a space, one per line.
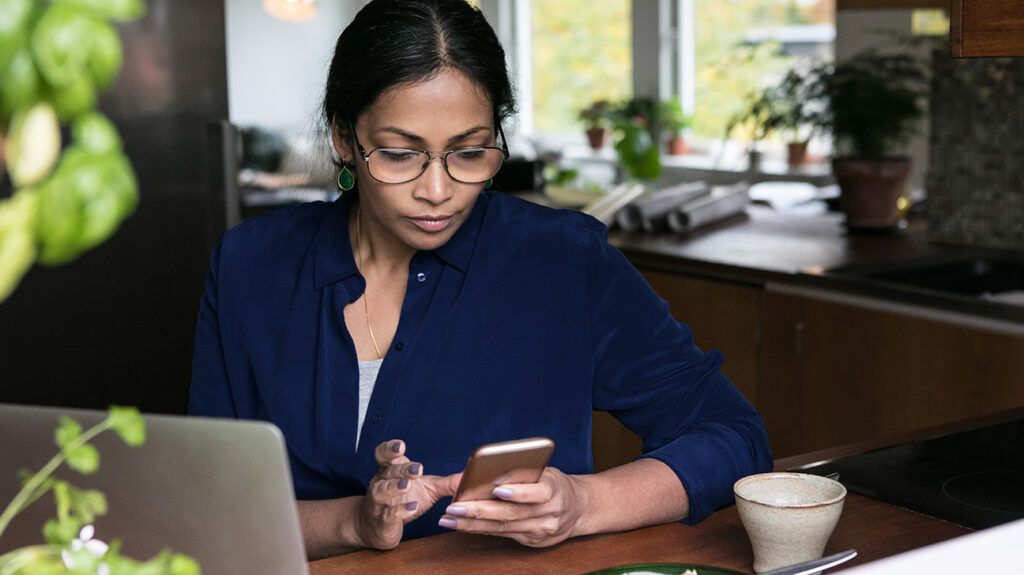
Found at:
[494, 464]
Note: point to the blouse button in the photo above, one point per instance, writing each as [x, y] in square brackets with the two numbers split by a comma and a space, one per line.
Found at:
[421, 277]
[399, 346]
[376, 418]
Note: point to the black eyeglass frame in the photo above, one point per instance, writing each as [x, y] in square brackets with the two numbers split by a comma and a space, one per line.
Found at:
[431, 155]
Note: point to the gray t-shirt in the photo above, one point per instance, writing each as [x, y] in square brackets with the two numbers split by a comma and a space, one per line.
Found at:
[367, 377]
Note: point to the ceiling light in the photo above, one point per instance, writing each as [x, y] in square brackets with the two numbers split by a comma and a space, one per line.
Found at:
[291, 10]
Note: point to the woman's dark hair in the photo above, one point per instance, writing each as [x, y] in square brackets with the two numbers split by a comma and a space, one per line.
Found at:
[394, 42]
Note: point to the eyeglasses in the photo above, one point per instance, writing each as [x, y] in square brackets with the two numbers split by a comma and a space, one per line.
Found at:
[472, 165]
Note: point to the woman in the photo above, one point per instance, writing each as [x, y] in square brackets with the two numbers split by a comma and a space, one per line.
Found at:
[390, 333]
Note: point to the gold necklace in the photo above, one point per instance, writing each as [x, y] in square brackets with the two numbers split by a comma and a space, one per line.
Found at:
[359, 258]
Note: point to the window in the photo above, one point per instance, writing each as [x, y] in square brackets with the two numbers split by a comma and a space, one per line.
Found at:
[738, 47]
[711, 54]
[580, 54]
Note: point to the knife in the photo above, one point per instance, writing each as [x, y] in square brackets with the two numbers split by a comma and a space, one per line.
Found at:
[814, 565]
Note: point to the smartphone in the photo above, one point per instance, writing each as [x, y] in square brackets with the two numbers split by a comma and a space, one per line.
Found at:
[494, 464]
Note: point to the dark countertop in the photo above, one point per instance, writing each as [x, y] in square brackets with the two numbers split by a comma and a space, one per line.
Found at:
[765, 248]
[763, 245]
[972, 476]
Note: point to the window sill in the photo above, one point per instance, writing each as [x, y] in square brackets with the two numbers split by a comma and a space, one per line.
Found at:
[715, 170]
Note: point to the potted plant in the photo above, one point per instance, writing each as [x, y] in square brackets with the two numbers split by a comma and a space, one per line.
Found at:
[795, 114]
[636, 137]
[672, 118]
[642, 110]
[757, 119]
[595, 118]
[873, 102]
[787, 108]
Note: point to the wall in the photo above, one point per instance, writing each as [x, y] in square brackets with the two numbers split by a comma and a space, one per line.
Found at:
[976, 177]
[276, 70]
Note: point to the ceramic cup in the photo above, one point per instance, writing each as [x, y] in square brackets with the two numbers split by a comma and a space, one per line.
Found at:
[788, 516]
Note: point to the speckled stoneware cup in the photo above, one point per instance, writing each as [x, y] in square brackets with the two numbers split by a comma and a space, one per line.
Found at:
[788, 516]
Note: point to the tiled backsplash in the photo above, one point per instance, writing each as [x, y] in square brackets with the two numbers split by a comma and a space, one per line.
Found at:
[976, 166]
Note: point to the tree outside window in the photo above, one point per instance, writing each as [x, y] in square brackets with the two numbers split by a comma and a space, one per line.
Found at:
[742, 46]
[582, 53]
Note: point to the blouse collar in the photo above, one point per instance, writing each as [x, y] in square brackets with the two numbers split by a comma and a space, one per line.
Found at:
[334, 260]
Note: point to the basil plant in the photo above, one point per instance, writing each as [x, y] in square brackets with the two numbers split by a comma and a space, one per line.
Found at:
[70, 546]
[56, 56]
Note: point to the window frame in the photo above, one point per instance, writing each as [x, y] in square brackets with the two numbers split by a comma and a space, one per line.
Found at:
[652, 77]
[663, 53]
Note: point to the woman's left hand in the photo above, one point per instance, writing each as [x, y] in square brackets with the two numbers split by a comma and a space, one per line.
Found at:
[535, 514]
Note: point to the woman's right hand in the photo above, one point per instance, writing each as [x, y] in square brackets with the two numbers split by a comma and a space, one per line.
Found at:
[396, 495]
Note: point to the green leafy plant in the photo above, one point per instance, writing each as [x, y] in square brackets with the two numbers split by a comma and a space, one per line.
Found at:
[56, 56]
[558, 176]
[758, 119]
[70, 547]
[635, 131]
[637, 150]
[872, 102]
[796, 112]
[787, 108]
[596, 115]
[640, 109]
[672, 118]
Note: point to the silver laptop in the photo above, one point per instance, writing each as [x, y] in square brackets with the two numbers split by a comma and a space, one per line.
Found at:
[217, 490]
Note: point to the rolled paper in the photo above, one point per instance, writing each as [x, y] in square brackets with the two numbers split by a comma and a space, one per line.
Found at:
[605, 208]
[722, 202]
[650, 211]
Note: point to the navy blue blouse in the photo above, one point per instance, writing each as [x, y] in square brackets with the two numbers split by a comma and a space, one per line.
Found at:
[520, 326]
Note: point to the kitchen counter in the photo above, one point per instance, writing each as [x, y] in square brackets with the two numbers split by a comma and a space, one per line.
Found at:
[763, 245]
[790, 253]
[828, 358]
[967, 472]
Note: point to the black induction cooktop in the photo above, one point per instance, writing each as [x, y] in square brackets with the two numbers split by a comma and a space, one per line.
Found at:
[972, 478]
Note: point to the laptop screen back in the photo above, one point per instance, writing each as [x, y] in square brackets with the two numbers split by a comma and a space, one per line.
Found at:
[217, 490]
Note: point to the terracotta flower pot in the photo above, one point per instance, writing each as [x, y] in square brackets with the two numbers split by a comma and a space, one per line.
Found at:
[677, 146]
[870, 190]
[796, 153]
[597, 137]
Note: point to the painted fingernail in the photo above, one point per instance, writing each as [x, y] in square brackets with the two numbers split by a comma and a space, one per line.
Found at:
[403, 483]
[503, 492]
[414, 469]
[447, 523]
[456, 510]
[412, 505]
[396, 446]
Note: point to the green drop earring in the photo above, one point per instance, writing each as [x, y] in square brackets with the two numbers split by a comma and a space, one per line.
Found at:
[488, 184]
[346, 179]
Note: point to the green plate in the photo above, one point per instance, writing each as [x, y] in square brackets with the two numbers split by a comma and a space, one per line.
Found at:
[665, 569]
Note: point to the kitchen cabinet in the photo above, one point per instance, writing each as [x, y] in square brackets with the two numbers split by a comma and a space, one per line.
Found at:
[825, 372]
[835, 373]
[723, 316]
[986, 28]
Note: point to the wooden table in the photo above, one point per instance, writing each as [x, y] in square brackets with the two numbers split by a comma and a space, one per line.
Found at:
[874, 528]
